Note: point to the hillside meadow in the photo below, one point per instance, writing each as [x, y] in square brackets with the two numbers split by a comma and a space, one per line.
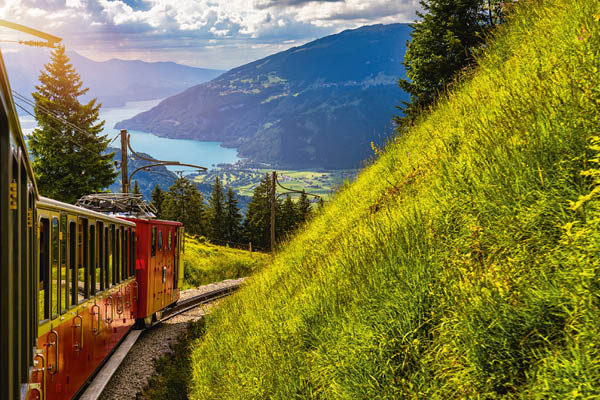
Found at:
[205, 262]
[463, 263]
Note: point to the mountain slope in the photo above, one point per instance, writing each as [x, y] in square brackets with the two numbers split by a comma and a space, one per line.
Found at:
[113, 82]
[318, 105]
[461, 264]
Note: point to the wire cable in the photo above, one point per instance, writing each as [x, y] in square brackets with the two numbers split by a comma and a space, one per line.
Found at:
[95, 153]
[53, 115]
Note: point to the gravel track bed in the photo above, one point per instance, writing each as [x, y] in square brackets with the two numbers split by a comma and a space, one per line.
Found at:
[136, 369]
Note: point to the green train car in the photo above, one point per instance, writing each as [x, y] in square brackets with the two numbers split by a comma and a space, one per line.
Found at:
[18, 195]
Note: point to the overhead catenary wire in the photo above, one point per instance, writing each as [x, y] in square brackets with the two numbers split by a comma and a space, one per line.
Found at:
[95, 153]
[113, 139]
[52, 114]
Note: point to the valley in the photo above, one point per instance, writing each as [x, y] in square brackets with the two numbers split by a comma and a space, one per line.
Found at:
[243, 180]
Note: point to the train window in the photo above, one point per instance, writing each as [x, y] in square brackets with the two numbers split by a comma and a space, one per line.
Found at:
[132, 254]
[64, 273]
[83, 261]
[118, 256]
[111, 264]
[107, 260]
[153, 241]
[170, 240]
[125, 253]
[54, 276]
[44, 264]
[100, 272]
[73, 262]
[160, 241]
[93, 272]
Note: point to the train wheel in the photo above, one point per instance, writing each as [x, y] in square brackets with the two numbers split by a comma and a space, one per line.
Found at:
[148, 321]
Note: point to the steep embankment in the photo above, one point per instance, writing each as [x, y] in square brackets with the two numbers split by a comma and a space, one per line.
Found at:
[460, 264]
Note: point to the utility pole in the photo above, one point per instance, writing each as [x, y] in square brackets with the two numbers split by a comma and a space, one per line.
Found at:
[273, 199]
[124, 170]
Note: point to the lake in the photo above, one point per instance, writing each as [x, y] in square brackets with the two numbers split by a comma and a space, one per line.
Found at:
[206, 154]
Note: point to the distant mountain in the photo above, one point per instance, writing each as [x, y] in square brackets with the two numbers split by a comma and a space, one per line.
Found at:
[317, 105]
[113, 82]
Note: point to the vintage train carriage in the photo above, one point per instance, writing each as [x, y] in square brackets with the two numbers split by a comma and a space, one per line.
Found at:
[159, 267]
[86, 294]
[18, 331]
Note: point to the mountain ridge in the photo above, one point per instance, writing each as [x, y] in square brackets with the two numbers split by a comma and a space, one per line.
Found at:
[113, 82]
[316, 105]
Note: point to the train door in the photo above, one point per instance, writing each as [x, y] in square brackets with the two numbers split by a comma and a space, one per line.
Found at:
[169, 262]
[175, 264]
[79, 358]
[160, 270]
[180, 271]
[69, 293]
[42, 289]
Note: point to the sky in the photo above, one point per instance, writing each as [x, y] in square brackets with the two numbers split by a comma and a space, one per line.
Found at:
[219, 34]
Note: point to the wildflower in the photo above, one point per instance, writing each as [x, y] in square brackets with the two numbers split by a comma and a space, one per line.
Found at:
[375, 149]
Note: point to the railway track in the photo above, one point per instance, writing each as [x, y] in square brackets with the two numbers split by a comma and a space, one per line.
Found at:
[96, 387]
[187, 304]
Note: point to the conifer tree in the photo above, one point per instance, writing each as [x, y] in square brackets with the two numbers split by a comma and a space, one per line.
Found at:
[136, 188]
[304, 208]
[68, 162]
[216, 212]
[443, 43]
[257, 224]
[184, 203]
[233, 218]
[158, 197]
[289, 216]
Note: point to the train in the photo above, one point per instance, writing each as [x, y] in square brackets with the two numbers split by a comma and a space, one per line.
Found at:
[73, 281]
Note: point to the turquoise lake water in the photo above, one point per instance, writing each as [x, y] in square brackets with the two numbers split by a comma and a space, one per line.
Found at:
[206, 154]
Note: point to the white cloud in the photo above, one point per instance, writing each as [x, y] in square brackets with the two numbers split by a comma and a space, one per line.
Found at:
[111, 26]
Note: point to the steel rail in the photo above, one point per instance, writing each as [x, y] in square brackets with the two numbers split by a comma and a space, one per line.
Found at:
[95, 387]
[192, 302]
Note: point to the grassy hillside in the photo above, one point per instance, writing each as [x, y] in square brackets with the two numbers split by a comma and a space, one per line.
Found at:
[464, 263]
[205, 262]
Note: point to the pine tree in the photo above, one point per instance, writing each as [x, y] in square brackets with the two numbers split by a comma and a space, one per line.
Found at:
[233, 218]
[136, 188]
[442, 44]
[158, 197]
[289, 216]
[257, 224]
[216, 212]
[184, 203]
[68, 162]
[304, 208]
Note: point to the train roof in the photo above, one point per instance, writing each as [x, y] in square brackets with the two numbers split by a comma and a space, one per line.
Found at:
[45, 202]
[14, 126]
[153, 221]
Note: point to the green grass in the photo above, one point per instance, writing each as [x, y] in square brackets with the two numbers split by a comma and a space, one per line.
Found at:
[463, 263]
[171, 379]
[207, 263]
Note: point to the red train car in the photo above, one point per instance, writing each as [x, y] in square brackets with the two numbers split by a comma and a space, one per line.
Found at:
[86, 294]
[159, 267]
